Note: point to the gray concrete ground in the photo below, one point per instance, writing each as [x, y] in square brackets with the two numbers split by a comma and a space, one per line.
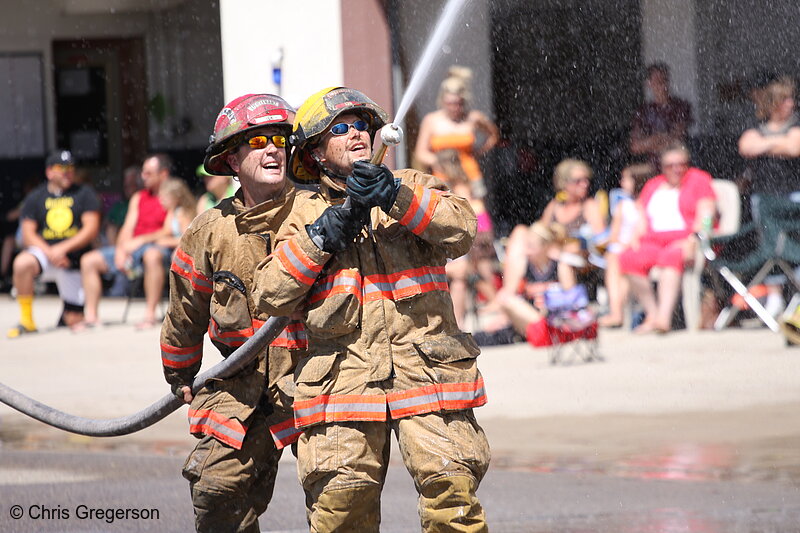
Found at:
[706, 407]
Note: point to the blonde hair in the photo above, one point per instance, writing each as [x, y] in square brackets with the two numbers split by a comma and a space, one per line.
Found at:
[548, 233]
[767, 99]
[178, 189]
[563, 172]
[457, 81]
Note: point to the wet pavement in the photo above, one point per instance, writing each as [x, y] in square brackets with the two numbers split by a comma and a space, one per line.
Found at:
[690, 490]
[685, 433]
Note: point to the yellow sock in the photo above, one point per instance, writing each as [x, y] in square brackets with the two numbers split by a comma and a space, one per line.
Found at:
[26, 312]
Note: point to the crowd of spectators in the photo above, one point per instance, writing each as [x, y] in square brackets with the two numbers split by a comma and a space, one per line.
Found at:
[633, 241]
[67, 237]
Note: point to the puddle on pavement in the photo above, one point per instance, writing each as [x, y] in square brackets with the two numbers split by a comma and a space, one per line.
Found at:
[779, 460]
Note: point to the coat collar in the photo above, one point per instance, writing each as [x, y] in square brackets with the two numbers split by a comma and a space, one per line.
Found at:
[260, 217]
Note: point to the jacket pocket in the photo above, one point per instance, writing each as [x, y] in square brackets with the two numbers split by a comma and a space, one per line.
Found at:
[448, 348]
[334, 304]
[315, 368]
[230, 314]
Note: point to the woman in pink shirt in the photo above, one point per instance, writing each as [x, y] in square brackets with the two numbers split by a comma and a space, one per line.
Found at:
[673, 207]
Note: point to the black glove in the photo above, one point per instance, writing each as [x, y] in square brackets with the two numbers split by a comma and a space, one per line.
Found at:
[372, 185]
[336, 227]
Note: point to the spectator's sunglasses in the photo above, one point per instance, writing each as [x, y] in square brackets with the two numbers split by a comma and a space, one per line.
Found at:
[261, 141]
[343, 127]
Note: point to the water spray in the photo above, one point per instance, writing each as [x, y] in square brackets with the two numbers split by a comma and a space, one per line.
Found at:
[392, 134]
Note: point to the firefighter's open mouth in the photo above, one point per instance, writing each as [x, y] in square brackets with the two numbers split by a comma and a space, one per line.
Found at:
[358, 147]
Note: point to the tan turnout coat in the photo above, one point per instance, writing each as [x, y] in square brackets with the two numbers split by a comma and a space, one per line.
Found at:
[382, 334]
[210, 291]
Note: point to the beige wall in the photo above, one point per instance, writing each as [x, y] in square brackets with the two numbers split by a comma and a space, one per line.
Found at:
[308, 32]
[367, 56]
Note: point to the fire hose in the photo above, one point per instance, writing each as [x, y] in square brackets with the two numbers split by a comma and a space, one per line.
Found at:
[391, 135]
[245, 354]
[113, 427]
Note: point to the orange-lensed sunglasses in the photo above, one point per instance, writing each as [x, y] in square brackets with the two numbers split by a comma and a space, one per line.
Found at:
[261, 141]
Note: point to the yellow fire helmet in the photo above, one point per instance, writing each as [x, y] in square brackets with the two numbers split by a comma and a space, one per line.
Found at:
[313, 118]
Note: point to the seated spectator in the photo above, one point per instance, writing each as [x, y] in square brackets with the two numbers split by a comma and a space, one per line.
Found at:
[217, 188]
[672, 207]
[480, 261]
[136, 250]
[624, 223]
[535, 261]
[59, 220]
[771, 149]
[178, 201]
[661, 120]
[572, 206]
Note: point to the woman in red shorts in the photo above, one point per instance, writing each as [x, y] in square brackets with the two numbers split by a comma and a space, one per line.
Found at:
[673, 207]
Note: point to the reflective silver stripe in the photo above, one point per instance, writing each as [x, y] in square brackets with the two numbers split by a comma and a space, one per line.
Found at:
[405, 283]
[339, 408]
[201, 282]
[286, 434]
[194, 278]
[181, 358]
[439, 397]
[338, 281]
[216, 427]
[289, 254]
[405, 403]
[183, 264]
[424, 201]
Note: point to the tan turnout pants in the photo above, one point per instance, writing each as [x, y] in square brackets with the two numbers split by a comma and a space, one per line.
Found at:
[231, 488]
[342, 467]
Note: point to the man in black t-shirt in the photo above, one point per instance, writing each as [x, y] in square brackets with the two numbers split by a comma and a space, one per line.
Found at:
[59, 221]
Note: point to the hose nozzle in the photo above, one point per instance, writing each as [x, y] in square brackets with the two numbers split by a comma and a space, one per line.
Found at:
[391, 135]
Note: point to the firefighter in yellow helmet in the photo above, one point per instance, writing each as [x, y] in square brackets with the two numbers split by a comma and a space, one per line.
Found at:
[244, 421]
[385, 353]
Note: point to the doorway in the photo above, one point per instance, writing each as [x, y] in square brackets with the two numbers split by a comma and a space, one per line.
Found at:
[101, 105]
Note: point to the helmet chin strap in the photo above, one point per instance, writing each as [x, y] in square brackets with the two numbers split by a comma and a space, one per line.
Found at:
[329, 177]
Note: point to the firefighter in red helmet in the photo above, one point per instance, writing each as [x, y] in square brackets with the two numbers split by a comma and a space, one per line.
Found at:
[243, 422]
[385, 353]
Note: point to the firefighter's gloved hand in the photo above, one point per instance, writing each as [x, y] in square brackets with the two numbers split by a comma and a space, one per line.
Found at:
[336, 228]
[372, 185]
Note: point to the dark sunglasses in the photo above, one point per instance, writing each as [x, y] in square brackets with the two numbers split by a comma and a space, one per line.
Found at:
[343, 127]
[261, 141]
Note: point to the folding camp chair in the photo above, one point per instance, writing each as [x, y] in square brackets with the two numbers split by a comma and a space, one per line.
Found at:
[770, 243]
[571, 325]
